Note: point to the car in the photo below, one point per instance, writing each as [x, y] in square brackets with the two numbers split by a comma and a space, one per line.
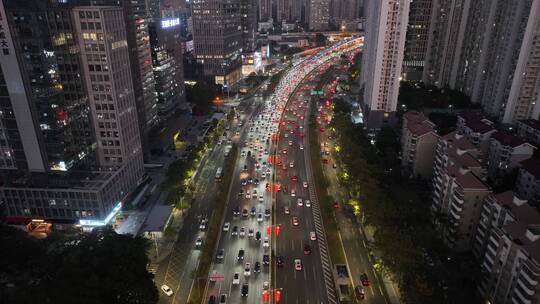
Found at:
[203, 223]
[279, 261]
[335, 205]
[305, 184]
[257, 267]
[334, 165]
[313, 236]
[301, 147]
[250, 181]
[234, 230]
[245, 212]
[226, 226]
[266, 259]
[250, 232]
[307, 249]
[248, 195]
[258, 236]
[291, 164]
[247, 269]
[267, 213]
[240, 256]
[266, 285]
[294, 178]
[166, 290]
[360, 293]
[236, 279]
[212, 300]
[220, 254]
[245, 290]
[299, 202]
[263, 175]
[243, 231]
[266, 242]
[261, 198]
[290, 142]
[293, 192]
[259, 217]
[297, 265]
[198, 242]
[286, 210]
[243, 181]
[364, 279]
[253, 211]
[236, 211]
[223, 299]
[307, 203]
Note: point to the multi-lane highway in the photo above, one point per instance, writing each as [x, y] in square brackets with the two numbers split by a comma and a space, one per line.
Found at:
[272, 190]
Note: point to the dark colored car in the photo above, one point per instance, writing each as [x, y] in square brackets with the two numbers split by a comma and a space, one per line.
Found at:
[245, 290]
[257, 267]
[236, 211]
[212, 300]
[266, 259]
[267, 213]
[307, 249]
[241, 253]
[364, 279]
[258, 236]
[245, 212]
[279, 261]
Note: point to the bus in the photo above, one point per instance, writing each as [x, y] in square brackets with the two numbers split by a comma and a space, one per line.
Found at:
[219, 174]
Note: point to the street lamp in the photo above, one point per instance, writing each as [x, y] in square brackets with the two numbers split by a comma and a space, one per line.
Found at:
[218, 102]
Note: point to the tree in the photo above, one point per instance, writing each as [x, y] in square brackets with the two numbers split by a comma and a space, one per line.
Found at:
[201, 95]
[100, 267]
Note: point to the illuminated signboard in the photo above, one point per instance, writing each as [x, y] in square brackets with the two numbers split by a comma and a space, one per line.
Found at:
[104, 222]
[166, 23]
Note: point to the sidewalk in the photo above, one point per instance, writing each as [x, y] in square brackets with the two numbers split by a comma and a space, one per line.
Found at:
[166, 244]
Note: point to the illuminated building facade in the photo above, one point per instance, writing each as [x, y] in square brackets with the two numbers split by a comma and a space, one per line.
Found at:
[69, 74]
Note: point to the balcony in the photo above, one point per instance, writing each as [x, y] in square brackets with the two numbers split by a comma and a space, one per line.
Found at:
[519, 291]
[526, 274]
[524, 287]
[457, 217]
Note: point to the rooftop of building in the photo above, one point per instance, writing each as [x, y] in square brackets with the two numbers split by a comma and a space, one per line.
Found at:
[525, 230]
[466, 179]
[533, 123]
[158, 218]
[476, 122]
[507, 139]
[532, 165]
[459, 141]
[76, 180]
[415, 116]
[509, 200]
[420, 128]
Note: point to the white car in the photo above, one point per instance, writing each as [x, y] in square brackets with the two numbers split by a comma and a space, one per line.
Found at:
[198, 242]
[305, 184]
[226, 226]
[287, 211]
[167, 290]
[291, 164]
[242, 231]
[307, 203]
[299, 202]
[301, 147]
[313, 236]
[259, 217]
[236, 279]
[263, 175]
[248, 195]
[297, 265]
[266, 242]
[247, 269]
[261, 197]
[293, 192]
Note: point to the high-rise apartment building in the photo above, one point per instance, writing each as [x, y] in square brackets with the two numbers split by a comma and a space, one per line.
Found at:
[68, 67]
[488, 50]
[217, 39]
[418, 141]
[507, 242]
[248, 20]
[382, 59]
[265, 10]
[445, 42]
[289, 11]
[343, 11]
[458, 190]
[317, 14]
[417, 40]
